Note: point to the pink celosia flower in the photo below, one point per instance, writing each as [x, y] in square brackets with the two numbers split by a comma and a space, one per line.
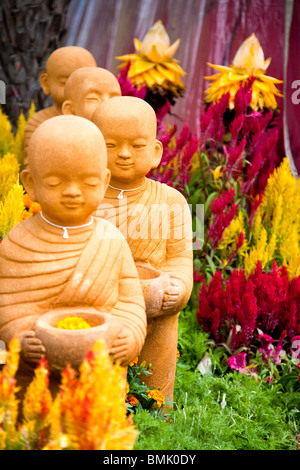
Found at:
[238, 362]
[266, 350]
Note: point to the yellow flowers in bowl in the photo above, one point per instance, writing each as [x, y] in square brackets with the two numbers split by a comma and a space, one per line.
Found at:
[73, 323]
[153, 63]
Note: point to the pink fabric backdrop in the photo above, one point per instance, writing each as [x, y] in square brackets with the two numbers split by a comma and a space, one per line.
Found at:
[210, 31]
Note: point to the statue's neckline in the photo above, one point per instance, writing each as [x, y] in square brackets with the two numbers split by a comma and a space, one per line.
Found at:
[122, 191]
[65, 229]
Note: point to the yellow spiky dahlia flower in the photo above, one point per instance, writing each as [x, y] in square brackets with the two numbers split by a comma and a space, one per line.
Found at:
[153, 64]
[248, 61]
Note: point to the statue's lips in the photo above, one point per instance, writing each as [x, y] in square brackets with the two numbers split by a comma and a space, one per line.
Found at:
[125, 165]
[71, 205]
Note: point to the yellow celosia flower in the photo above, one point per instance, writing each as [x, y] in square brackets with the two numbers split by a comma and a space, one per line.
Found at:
[19, 137]
[248, 61]
[7, 141]
[257, 253]
[9, 173]
[10, 142]
[72, 323]
[153, 64]
[11, 209]
[217, 173]
[157, 396]
[276, 225]
[230, 237]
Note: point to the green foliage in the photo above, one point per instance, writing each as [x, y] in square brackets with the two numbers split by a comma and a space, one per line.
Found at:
[220, 409]
[220, 413]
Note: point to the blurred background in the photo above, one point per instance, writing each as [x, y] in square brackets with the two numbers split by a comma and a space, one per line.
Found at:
[210, 31]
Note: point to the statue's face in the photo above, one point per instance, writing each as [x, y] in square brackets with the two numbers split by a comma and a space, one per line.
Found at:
[69, 193]
[58, 71]
[56, 83]
[93, 91]
[131, 148]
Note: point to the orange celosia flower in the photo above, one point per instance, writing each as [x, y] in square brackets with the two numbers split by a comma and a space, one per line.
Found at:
[8, 401]
[38, 400]
[158, 396]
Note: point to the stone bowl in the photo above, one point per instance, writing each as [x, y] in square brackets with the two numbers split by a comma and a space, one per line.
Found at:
[65, 347]
[154, 283]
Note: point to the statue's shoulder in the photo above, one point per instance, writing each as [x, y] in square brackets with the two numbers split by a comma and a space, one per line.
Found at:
[41, 116]
[17, 235]
[172, 195]
[107, 230]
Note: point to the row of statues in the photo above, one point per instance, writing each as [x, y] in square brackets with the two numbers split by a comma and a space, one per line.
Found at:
[108, 238]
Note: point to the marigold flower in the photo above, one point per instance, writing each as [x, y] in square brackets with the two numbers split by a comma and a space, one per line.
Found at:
[134, 362]
[248, 62]
[158, 396]
[72, 323]
[132, 400]
[35, 208]
[27, 201]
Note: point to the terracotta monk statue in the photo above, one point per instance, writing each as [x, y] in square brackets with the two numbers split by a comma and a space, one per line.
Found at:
[155, 220]
[63, 256]
[86, 87]
[60, 64]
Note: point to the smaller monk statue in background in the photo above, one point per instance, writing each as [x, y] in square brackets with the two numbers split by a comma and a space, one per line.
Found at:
[59, 66]
[64, 257]
[86, 88]
[155, 220]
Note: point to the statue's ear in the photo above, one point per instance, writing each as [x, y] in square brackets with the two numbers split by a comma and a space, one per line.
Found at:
[27, 182]
[67, 107]
[44, 83]
[157, 154]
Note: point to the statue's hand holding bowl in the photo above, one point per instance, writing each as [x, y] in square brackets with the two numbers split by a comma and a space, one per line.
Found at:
[32, 348]
[172, 297]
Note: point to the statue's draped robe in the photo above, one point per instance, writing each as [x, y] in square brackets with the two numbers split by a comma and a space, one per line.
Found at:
[156, 222]
[35, 121]
[40, 270]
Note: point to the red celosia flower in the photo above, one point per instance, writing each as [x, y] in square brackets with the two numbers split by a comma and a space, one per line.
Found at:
[127, 87]
[222, 215]
[237, 306]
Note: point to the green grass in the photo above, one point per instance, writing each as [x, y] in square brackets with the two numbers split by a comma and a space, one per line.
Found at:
[220, 410]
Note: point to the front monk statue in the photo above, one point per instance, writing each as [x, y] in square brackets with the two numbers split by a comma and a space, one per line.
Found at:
[63, 256]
